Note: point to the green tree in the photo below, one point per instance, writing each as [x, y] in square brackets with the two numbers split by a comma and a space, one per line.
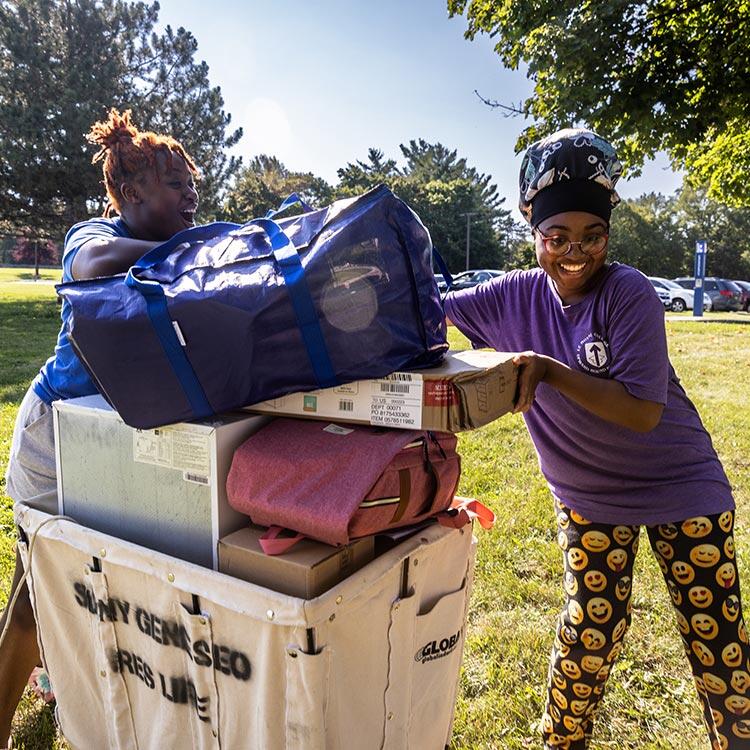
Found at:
[63, 63]
[652, 76]
[725, 229]
[265, 183]
[171, 93]
[446, 193]
[644, 234]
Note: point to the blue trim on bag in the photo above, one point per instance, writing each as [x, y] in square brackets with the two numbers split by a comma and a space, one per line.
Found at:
[156, 306]
[291, 269]
[443, 269]
[201, 233]
[290, 201]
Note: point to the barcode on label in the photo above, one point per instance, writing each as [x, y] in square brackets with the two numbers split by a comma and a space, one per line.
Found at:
[403, 376]
[195, 478]
[346, 405]
[393, 388]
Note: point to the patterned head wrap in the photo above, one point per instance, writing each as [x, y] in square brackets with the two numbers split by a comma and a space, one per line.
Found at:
[571, 170]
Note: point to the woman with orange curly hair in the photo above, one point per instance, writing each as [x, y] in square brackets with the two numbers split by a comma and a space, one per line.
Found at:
[150, 187]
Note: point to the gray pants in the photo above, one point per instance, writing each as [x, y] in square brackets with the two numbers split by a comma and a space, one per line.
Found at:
[31, 477]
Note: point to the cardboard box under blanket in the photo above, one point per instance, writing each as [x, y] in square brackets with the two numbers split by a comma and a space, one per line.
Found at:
[163, 488]
[469, 390]
[307, 570]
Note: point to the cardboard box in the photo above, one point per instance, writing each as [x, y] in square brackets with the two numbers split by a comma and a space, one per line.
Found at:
[307, 570]
[470, 389]
[163, 488]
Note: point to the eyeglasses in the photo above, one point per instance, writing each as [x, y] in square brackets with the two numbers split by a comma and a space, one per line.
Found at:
[592, 245]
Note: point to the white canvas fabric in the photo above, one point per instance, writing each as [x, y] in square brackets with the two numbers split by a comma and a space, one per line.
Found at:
[145, 651]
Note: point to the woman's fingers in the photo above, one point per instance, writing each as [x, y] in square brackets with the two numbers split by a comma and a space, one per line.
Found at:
[527, 381]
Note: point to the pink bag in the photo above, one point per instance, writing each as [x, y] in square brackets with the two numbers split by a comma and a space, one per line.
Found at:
[335, 482]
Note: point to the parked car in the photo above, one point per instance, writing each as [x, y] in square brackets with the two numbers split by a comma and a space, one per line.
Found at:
[723, 293]
[663, 295]
[745, 299]
[472, 278]
[680, 299]
[441, 285]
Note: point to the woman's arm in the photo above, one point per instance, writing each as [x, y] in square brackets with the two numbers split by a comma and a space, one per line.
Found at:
[108, 256]
[604, 397]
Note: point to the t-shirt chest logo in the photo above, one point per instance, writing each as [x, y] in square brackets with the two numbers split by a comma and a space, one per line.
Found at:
[592, 354]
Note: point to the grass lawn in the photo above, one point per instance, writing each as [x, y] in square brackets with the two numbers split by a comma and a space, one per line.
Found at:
[650, 701]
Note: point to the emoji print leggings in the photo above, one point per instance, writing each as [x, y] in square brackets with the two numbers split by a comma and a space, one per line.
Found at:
[696, 557]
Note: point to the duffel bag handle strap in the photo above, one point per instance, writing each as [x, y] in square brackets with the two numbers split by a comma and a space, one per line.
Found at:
[156, 307]
[193, 234]
[290, 265]
[272, 545]
[463, 511]
[443, 269]
[290, 201]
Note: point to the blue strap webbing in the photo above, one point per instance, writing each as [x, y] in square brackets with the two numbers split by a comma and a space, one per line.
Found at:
[443, 269]
[290, 201]
[291, 269]
[201, 233]
[156, 306]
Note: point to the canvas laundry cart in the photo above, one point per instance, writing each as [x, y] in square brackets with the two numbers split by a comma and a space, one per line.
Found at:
[146, 651]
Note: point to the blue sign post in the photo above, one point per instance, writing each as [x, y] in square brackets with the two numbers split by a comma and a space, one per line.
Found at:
[701, 247]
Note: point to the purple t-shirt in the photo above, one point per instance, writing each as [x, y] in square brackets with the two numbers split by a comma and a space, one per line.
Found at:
[608, 473]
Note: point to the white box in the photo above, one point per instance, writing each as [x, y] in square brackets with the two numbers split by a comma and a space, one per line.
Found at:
[163, 488]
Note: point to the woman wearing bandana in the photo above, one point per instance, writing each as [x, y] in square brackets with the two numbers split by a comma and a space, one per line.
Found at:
[619, 442]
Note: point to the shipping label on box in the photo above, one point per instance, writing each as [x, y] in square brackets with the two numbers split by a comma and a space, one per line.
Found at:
[469, 390]
[184, 447]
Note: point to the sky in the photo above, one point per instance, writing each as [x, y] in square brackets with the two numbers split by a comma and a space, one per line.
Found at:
[317, 84]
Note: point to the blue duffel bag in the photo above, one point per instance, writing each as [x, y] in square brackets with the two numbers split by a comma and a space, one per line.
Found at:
[223, 315]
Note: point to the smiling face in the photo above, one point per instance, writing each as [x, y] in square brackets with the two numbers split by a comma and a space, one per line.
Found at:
[731, 655]
[740, 681]
[595, 581]
[683, 572]
[570, 583]
[700, 597]
[160, 202]
[705, 555]
[593, 639]
[737, 704]
[599, 610]
[703, 653]
[577, 558]
[697, 527]
[725, 521]
[575, 612]
[729, 547]
[595, 541]
[726, 575]
[705, 626]
[570, 669]
[731, 608]
[668, 531]
[591, 664]
[714, 684]
[665, 549]
[581, 689]
[573, 274]
[622, 534]
[616, 559]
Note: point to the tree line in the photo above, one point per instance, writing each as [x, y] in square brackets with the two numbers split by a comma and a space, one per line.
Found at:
[63, 63]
